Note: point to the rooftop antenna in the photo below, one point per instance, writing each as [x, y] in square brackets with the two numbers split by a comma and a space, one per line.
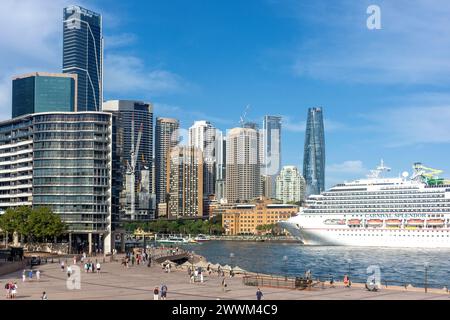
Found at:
[242, 119]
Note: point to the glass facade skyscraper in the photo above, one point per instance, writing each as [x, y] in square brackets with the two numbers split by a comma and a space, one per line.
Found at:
[125, 112]
[314, 153]
[43, 92]
[83, 55]
[166, 138]
[271, 152]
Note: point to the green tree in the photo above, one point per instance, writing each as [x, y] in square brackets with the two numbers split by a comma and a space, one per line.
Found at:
[15, 220]
[43, 223]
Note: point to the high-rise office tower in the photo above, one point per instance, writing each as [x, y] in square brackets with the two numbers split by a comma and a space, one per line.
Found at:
[185, 182]
[221, 160]
[270, 151]
[290, 185]
[83, 55]
[133, 122]
[202, 135]
[166, 137]
[314, 154]
[43, 92]
[243, 166]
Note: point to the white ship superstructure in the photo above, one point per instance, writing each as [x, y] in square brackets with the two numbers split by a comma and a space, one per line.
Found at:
[379, 212]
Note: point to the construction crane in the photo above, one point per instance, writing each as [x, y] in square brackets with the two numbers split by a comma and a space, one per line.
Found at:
[242, 119]
[131, 170]
[428, 175]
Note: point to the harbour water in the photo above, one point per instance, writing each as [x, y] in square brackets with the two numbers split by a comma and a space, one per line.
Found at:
[398, 266]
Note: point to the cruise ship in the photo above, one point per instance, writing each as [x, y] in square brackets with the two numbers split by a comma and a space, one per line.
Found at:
[407, 211]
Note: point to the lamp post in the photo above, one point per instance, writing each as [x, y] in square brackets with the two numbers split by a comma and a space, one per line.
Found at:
[426, 265]
[285, 259]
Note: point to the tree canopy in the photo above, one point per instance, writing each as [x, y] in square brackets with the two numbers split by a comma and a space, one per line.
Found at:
[184, 226]
[34, 223]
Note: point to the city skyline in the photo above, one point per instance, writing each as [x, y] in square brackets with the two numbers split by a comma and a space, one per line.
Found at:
[392, 108]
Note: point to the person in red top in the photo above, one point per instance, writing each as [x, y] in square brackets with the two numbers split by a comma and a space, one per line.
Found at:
[347, 281]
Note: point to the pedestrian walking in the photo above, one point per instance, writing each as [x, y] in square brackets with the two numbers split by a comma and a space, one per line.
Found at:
[69, 271]
[62, 266]
[224, 284]
[192, 278]
[24, 276]
[74, 259]
[259, 294]
[30, 274]
[44, 296]
[38, 275]
[156, 293]
[163, 292]
[98, 267]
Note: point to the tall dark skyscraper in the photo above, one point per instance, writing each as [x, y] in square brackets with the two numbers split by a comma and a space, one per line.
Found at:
[83, 55]
[314, 155]
[130, 118]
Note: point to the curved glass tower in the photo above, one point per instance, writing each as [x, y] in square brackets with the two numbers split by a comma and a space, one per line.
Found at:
[83, 55]
[314, 154]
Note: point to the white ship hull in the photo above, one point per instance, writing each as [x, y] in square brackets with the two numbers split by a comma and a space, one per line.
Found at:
[382, 237]
[378, 212]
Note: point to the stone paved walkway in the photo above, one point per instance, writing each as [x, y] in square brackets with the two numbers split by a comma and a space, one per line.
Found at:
[138, 282]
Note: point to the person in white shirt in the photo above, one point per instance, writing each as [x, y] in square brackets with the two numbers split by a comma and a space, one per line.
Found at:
[98, 267]
[38, 275]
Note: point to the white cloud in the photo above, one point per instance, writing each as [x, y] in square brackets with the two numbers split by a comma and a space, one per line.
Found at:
[412, 125]
[188, 116]
[129, 75]
[31, 40]
[120, 40]
[409, 49]
[347, 167]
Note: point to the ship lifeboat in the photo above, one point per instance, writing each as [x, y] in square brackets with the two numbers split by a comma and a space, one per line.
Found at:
[435, 222]
[354, 222]
[393, 222]
[415, 222]
[374, 222]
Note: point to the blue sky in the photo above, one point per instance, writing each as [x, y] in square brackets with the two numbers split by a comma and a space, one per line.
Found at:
[385, 93]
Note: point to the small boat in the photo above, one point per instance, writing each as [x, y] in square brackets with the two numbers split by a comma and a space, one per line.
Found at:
[173, 240]
[201, 238]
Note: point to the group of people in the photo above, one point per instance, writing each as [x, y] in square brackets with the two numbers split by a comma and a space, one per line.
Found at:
[30, 275]
[91, 267]
[160, 292]
[11, 290]
[195, 274]
[136, 258]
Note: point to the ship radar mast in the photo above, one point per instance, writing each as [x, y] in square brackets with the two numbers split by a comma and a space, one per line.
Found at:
[378, 172]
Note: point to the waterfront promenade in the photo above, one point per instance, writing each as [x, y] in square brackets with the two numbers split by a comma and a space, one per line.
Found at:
[137, 283]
